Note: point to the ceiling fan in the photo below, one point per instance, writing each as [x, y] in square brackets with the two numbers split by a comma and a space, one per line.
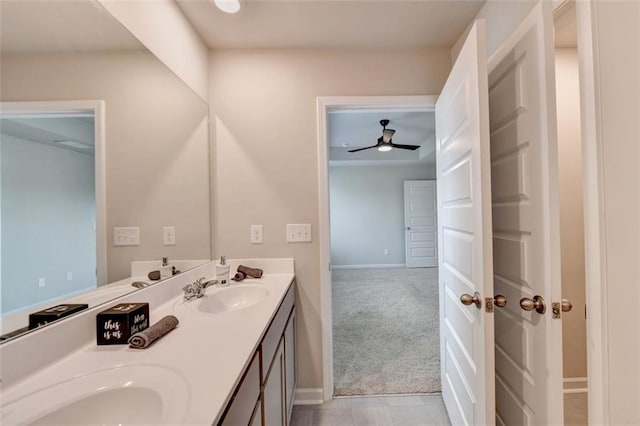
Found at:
[384, 141]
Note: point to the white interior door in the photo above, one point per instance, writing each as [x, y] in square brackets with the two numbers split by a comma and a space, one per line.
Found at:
[526, 239]
[464, 237]
[420, 235]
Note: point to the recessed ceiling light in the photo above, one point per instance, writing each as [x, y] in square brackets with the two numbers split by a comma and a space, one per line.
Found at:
[346, 145]
[228, 6]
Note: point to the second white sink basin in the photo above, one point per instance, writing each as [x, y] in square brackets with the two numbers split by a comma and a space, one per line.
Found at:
[233, 298]
[126, 395]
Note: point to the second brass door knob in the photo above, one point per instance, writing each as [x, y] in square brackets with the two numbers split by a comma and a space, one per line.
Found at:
[536, 303]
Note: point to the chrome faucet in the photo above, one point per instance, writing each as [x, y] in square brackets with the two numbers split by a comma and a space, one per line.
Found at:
[196, 289]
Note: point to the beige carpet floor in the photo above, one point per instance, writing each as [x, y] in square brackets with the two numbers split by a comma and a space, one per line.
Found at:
[385, 331]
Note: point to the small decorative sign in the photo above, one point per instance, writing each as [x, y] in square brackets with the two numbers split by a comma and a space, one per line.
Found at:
[54, 313]
[116, 324]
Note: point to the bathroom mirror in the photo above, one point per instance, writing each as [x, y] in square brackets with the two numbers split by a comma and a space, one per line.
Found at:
[105, 161]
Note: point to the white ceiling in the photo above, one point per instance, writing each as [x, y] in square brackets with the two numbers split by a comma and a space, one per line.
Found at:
[332, 23]
[357, 129]
[60, 26]
[350, 129]
[66, 131]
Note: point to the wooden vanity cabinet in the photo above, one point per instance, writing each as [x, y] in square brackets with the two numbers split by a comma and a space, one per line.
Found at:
[273, 391]
[242, 406]
[290, 364]
[265, 395]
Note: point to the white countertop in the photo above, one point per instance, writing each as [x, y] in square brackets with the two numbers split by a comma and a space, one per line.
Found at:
[209, 351]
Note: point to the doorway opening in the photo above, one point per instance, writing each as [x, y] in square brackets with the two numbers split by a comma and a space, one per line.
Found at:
[384, 274]
[571, 209]
[326, 107]
[52, 189]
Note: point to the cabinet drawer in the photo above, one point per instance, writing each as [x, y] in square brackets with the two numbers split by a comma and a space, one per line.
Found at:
[243, 402]
[276, 329]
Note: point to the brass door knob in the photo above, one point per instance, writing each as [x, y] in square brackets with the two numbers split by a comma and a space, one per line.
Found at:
[566, 305]
[468, 299]
[500, 301]
[536, 303]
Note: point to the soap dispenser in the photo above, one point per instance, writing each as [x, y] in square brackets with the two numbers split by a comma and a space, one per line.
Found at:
[222, 272]
[166, 270]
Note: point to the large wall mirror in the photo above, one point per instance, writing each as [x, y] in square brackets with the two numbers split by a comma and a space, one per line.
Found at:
[104, 157]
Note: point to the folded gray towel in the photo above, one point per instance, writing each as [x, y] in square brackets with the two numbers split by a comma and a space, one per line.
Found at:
[250, 272]
[146, 337]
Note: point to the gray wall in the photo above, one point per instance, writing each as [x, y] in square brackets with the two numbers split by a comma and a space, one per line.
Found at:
[367, 212]
[48, 216]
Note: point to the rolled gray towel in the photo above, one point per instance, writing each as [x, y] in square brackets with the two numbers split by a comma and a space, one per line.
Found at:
[146, 337]
[250, 272]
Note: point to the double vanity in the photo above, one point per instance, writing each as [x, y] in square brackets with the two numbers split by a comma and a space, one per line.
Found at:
[230, 361]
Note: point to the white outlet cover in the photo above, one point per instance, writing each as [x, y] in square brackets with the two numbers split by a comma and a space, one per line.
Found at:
[169, 235]
[256, 234]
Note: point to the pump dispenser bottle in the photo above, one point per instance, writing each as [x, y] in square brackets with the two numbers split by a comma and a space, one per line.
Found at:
[222, 272]
[166, 270]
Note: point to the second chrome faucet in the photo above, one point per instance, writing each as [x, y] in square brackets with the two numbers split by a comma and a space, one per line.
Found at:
[196, 289]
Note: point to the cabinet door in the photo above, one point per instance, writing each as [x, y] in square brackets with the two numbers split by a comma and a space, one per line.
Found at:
[273, 391]
[290, 363]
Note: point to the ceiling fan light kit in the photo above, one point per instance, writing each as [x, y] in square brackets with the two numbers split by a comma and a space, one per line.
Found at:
[385, 142]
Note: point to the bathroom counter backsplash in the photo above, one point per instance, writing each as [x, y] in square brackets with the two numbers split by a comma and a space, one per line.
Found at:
[209, 351]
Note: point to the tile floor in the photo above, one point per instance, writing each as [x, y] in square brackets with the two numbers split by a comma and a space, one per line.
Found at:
[402, 410]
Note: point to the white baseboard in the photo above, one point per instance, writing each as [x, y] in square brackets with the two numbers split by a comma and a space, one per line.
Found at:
[308, 396]
[575, 385]
[372, 266]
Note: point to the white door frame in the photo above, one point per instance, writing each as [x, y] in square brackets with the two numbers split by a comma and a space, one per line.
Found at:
[97, 108]
[594, 220]
[595, 236]
[325, 104]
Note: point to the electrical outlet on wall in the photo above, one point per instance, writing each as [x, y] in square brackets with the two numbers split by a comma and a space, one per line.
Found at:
[256, 234]
[386, 252]
[169, 235]
[42, 282]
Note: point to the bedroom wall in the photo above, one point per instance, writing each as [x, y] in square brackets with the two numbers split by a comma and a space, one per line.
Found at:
[367, 213]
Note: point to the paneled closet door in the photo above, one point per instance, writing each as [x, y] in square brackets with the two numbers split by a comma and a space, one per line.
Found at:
[464, 237]
[526, 237]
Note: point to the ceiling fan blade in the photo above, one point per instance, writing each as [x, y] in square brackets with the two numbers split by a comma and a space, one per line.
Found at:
[387, 134]
[409, 147]
[362, 149]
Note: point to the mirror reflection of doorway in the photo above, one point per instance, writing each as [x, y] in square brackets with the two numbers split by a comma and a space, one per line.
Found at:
[49, 243]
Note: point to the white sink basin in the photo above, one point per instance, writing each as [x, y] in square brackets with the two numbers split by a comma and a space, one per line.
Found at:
[236, 297]
[125, 395]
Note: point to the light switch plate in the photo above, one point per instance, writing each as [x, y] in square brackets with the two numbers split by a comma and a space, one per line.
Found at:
[169, 235]
[256, 234]
[126, 236]
[298, 232]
